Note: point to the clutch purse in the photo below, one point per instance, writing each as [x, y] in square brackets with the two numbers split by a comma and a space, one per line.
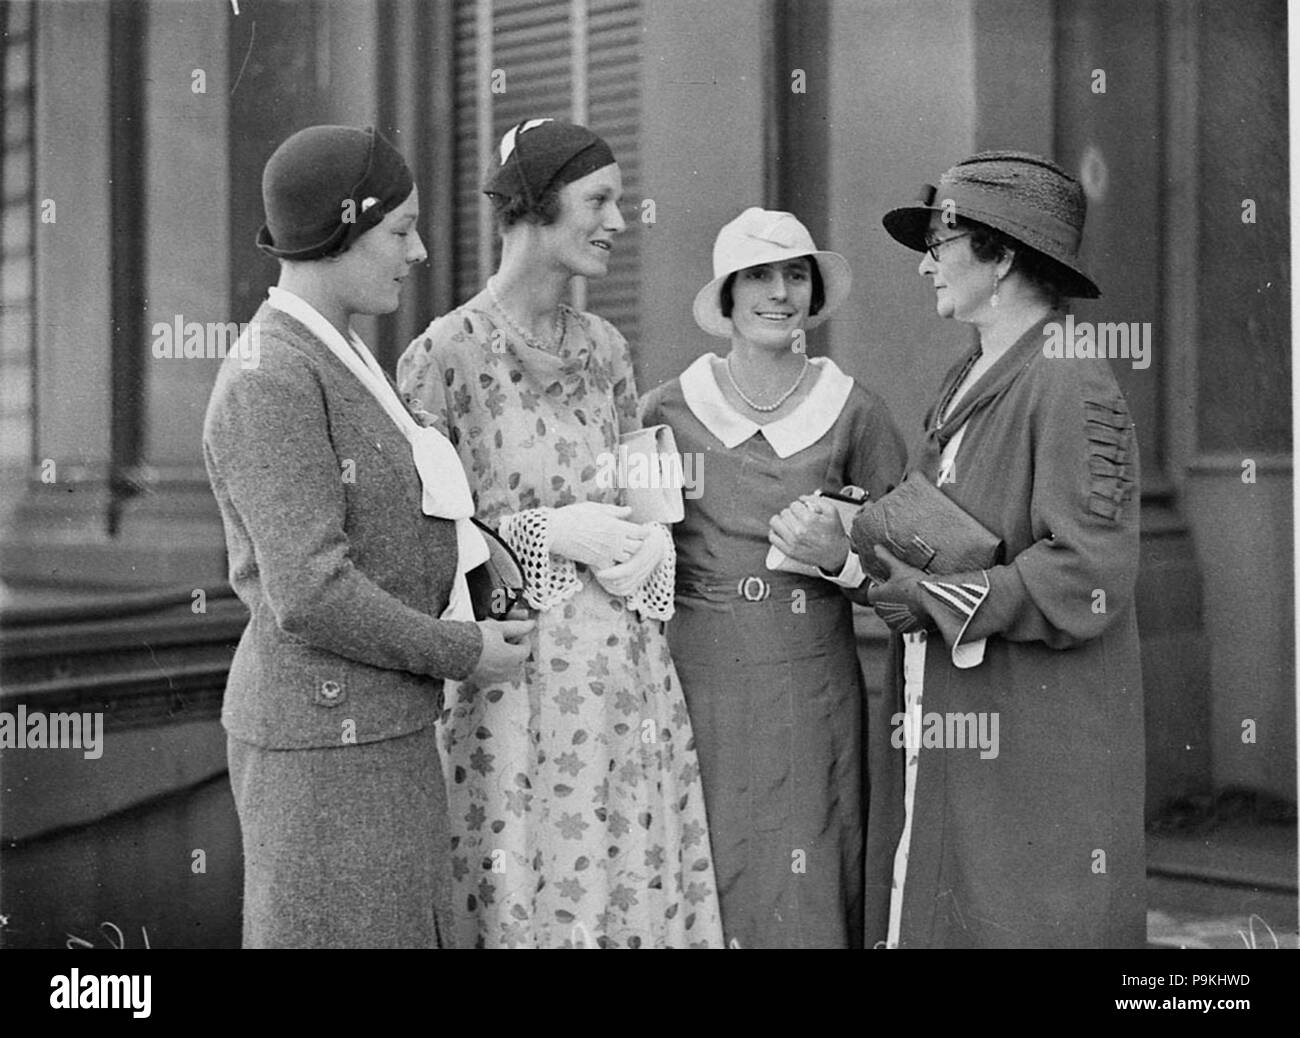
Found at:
[919, 524]
[847, 502]
[651, 476]
[497, 585]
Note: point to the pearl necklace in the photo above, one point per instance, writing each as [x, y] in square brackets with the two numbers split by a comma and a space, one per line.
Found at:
[766, 408]
[550, 344]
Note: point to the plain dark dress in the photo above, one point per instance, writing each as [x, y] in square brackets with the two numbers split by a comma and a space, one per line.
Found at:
[774, 687]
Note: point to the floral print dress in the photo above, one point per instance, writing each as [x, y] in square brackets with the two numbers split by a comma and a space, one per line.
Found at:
[574, 792]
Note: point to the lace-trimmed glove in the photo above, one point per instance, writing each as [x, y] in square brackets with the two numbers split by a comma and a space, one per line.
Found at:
[595, 534]
[625, 578]
[549, 578]
[542, 538]
[901, 600]
[653, 600]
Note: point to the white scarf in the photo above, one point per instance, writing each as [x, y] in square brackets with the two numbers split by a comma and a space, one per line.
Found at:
[446, 493]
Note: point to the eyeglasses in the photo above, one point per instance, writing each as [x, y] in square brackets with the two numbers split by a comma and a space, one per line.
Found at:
[933, 247]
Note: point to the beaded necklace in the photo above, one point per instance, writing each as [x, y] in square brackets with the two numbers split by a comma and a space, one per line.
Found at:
[941, 415]
[550, 344]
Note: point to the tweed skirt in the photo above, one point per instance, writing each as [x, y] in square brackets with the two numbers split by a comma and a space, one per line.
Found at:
[344, 847]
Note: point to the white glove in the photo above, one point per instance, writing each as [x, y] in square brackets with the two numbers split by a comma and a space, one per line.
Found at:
[595, 534]
[624, 579]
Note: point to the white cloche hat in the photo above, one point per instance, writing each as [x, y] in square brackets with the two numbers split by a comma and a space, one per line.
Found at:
[760, 236]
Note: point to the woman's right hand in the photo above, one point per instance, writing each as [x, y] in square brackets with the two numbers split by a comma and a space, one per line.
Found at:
[624, 578]
[595, 534]
[809, 530]
[503, 653]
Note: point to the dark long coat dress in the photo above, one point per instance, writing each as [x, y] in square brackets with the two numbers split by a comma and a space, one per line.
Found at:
[1041, 845]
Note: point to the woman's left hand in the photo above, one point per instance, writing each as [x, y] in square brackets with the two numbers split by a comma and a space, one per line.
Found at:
[624, 579]
[900, 602]
[809, 530]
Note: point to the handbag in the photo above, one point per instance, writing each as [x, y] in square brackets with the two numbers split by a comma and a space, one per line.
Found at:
[920, 525]
[497, 585]
[651, 476]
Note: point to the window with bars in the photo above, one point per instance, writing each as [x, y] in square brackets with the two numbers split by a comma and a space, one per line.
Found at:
[17, 213]
[539, 47]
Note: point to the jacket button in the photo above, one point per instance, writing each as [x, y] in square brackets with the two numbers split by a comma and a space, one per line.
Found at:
[330, 691]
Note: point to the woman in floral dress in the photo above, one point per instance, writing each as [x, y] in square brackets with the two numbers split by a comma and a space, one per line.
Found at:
[574, 793]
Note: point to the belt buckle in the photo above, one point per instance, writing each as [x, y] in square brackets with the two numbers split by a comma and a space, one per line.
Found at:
[754, 589]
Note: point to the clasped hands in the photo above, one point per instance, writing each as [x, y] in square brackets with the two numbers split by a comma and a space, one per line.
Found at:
[809, 530]
[622, 554]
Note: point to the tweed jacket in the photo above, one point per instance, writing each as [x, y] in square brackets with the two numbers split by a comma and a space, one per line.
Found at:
[343, 574]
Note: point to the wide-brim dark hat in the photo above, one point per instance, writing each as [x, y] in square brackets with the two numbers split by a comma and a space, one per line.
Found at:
[326, 186]
[1026, 197]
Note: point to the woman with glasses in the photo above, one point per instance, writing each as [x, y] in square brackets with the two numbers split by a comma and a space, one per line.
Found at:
[1009, 793]
[767, 657]
[575, 794]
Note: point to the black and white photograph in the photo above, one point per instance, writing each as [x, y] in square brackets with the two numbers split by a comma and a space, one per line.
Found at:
[581, 474]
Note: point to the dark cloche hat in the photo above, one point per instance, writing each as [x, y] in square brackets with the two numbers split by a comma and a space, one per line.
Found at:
[540, 153]
[1026, 196]
[309, 181]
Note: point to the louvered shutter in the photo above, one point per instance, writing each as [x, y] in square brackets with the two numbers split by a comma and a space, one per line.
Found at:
[17, 214]
[468, 279]
[532, 44]
[614, 111]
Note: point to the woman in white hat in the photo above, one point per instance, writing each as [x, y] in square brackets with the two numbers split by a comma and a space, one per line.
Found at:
[767, 658]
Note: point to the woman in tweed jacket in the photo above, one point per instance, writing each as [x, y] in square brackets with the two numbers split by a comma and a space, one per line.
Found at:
[346, 570]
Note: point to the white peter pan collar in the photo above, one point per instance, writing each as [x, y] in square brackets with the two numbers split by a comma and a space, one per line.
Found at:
[801, 428]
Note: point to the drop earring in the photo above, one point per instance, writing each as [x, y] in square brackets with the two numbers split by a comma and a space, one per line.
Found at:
[993, 299]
